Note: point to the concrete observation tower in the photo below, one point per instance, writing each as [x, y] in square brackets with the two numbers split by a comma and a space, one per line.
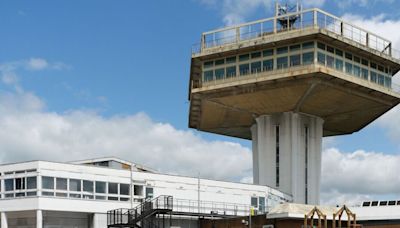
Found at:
[284, 83]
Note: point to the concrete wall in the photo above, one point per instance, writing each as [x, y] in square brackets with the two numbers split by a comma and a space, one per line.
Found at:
[292, 154]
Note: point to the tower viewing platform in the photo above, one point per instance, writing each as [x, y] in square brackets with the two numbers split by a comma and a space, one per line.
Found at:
[287, 81]
[319, 65]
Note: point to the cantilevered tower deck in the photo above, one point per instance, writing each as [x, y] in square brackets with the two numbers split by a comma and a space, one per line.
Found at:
[285, 87]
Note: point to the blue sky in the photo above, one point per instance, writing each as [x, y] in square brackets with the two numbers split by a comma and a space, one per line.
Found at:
[116, 62]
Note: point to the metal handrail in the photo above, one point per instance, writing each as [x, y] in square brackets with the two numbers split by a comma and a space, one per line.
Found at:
[321, 19]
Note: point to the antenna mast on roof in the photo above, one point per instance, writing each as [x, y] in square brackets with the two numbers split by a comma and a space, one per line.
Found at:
[283, 9]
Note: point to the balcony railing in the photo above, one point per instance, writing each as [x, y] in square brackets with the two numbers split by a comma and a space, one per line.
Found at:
[311, 18]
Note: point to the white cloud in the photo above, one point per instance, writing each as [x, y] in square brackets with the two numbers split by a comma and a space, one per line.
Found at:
[353, 177]
[37, 64]
[27, 132]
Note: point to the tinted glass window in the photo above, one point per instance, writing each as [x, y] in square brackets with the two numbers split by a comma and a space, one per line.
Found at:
[48, 182]
[255, 55]
[321, 58]
[308, 45]
[231, 71]
[282, 62]
[124, 189]
[282, 50]
[308, 58]
[244, 69]
[87, 186]
[149, 192]
[208, 75]
[206, 65]
[219, 62]
[244, 57]
[219, 73]
[268, 64]
[321, 46]
[9, 183]
[294, 60]
[231, 60]
[113, 188]
[339, 65]
[269, 52]
[75, 185]
[295, 47]
[100, 187]
[61, 184]
[330, 61]
[255, 67]
[31, 183]
[349, 68]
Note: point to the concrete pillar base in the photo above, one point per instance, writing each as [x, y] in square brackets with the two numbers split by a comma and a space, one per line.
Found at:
[287, 154]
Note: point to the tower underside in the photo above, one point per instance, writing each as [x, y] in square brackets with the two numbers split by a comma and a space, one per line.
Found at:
[287, 154]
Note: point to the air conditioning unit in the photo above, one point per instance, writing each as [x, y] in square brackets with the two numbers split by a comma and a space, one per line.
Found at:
[268, 226]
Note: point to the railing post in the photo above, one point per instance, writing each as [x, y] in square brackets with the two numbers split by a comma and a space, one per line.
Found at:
[237, 34]
[367, 39]
[315, 18]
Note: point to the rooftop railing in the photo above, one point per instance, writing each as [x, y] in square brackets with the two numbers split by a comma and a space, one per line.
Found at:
[311, 18]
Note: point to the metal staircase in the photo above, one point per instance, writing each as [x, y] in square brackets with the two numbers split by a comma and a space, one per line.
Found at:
[141, 216]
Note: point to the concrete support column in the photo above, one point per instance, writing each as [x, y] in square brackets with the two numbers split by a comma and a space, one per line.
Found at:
[95, 223]
[287, 154]
[4, 223]
[39, 219]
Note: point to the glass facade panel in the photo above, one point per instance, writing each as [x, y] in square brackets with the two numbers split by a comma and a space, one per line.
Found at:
[364, 73]
[231, 60]
[48, 182]
[219, 62]
[282, 50]
[31, 183]
[100, 187]
[282, 62]
[255, 67]
[308, 45]
[349, 68]
[388, 82]
[219, 74]
[244, 69]
[87, 186]
[208, 64]
[295, 60]
[61, 184]
[357, 71]
[113, 188]
[308, 58]
[124, 189]
[295, 48]
[374, 77]
[381, 79]
[321, 58]
[339, 52]
[20, 183]
[339, 65]
[321, 46]
[75, 185]
[149, 192]
[255, 55]
[244, 57]
[231, 71]
[269, 52]
[330, 61]
[9, 184]
[268, 64]
[349, 56]
[208, 75]
[330, 49]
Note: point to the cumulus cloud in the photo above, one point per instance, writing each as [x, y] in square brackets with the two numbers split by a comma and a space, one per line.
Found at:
[28, 131]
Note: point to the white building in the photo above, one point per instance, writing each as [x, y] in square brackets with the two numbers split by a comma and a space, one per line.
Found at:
[78, 194]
